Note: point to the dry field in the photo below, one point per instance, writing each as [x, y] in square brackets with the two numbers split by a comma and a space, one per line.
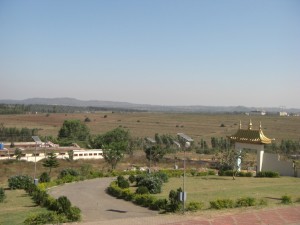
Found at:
[145, 124]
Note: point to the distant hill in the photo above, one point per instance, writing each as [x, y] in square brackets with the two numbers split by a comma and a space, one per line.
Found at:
[143, 107]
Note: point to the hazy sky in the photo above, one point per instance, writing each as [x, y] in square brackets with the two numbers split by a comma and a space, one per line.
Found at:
[166, 52]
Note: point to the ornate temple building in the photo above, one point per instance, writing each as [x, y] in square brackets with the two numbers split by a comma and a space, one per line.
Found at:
[255, 139]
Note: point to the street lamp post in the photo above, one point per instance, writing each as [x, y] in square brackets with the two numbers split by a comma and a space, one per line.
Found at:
[36, 140]
[152, 142]
[187, 143]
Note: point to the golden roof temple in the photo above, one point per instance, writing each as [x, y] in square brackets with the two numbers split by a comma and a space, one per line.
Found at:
[250, 136]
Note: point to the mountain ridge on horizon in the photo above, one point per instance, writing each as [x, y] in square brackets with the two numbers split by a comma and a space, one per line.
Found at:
[67, 101]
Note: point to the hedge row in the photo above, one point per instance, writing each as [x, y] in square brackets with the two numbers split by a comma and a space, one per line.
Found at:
[270, 174]
[241, 202]
[62, 209]
[151, 202]
[238, 174]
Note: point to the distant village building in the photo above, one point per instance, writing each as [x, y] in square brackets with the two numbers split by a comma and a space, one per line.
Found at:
[258, 113]
[283, 114]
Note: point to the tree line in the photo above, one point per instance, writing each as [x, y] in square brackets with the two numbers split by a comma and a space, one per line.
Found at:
[22, 109]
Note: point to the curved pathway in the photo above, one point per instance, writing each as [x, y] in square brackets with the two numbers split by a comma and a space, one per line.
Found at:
[95, 204]
[100, 208]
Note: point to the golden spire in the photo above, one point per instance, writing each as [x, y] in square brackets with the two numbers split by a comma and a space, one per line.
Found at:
[240, 124]
[250, 125]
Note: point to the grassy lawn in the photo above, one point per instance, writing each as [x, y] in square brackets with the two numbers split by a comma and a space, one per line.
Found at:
[16, 207]
[211, 188]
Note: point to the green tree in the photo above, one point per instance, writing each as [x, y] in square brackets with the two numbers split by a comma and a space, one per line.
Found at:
[51, 162]
[113, 154]
[115, 144]
[18, 154]
[73, 130]
[154, 153]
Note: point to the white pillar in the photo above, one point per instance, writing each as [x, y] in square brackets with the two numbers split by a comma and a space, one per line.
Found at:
[259, 160]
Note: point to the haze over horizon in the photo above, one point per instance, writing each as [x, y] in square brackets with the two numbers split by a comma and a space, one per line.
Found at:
[220, 53]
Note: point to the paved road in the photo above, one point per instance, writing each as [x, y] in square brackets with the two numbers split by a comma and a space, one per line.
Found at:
[99, 208]
[95, 204]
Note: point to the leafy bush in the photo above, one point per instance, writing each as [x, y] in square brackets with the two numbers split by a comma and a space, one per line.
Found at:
[2, 195]
[221, 204]
[44, 178]
[19, 182]
[131, 178]
[63, 204]
[285, 199]
[162, 176]
[144, 200]
[122, 182]
[68, 171]
[238, 174]
[194, 206]
[142, 190]
[245, 202]
[45, 218]
[153, 184]
[174, 202]
[73, 214]
[159, 204]
[270, 174]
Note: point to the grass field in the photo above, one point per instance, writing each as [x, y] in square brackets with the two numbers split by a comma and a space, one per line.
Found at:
[211, 188]
[145, 124]
[16, 207]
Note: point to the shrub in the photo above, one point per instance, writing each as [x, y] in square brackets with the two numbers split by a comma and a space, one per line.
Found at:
[63, 204]
[195, 206]
[114, 190]
[174, 202]
[211, 172]
[285, 199]
[44, 178]
[40, 197]
[144, 200]
[19, 182]
[68, 171]
[142, 190]
[122, 182]
[127, 194]
[2, 195]
[159, 204]
[270, 174]
[162, 176]
[131, 178]
[221, 204]
[238, 174]
[245, 202]
[45, 218]
[73, 214]
[152, 183]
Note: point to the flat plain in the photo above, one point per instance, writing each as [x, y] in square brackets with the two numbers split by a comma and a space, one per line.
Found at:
[146, 124]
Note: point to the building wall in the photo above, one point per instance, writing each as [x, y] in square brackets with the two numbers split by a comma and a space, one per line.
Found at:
[271, 162]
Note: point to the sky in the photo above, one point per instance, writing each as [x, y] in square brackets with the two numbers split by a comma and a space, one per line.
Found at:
[160, 52]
